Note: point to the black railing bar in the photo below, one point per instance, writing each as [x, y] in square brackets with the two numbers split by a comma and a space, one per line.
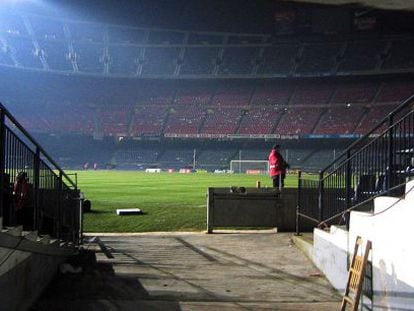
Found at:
[46, 162]
[310, 218]
[366, 136]
[364, 202]
[47, 167]
[64, 178]
[17, 124]
[19, 139]
[76, 177]
[58, 170]
[376, 139]
[386, 132]
[309, 179]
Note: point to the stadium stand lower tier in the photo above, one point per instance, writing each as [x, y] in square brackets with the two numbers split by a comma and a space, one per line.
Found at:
[82, 152]
[212, 110]
[135, 108]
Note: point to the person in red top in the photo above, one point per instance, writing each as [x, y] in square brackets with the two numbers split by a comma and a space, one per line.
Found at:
[20, 193]
[277, 166]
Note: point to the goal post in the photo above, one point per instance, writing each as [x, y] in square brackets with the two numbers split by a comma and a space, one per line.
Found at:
[249, 166]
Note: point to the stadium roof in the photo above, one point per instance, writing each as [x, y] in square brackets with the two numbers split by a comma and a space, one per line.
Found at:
[380, 4]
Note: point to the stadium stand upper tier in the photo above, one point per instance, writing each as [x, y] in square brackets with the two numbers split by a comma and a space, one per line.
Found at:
[39, 43]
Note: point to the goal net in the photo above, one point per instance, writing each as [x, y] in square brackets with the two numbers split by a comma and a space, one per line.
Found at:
[249, 166]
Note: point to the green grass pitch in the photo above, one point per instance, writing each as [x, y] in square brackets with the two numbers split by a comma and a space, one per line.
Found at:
[170, 202]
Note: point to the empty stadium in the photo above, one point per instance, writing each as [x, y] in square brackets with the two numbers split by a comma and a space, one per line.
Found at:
[172, 109]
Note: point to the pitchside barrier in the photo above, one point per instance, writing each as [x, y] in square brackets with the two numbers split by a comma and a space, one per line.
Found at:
[237, 207]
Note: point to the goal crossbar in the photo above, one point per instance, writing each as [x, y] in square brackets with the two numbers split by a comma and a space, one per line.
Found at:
[244, 165]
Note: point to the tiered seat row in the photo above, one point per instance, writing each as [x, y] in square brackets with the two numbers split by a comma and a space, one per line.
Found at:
[284, 109]
[185, 119]
[259, 120]
[221, 121]
[372, 118]
[298, 121]
[339, 120]
[272, 94]
[232, 96]
[355, 93]
[114, 120]
[311, 95]
[194, 96]
[148, 120]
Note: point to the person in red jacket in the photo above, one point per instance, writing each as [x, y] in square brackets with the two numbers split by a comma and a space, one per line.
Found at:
[20, 193]
[277, 166]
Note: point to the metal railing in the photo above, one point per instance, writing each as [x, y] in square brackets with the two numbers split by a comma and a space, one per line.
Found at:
[46, 200]
[377, 164]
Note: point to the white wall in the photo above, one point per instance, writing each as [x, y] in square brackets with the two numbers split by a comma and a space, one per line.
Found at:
[391, 230]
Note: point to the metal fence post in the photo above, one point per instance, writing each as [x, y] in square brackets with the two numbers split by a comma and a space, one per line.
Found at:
[348, 184]
[36, 185]
[390, 154]
[298, 203]
[320, 198]
[59, 207]
[2, 160]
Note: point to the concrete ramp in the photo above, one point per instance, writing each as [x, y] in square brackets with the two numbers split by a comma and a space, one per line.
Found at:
[195, 271]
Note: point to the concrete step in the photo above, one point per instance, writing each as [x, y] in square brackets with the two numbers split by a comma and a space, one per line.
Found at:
[55, 242]
[44, 240]
[31, 235]
[15, 231]
[305, 243]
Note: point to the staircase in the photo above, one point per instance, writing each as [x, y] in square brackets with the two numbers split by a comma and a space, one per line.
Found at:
[47, 228]
[51, 203]
[28, 264]
[369, 192]
[389, 228]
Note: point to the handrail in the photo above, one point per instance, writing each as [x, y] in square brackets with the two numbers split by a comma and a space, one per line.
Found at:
[34, 142]
[356, 153]
[366, 169]
[52, 204]
[381, 123]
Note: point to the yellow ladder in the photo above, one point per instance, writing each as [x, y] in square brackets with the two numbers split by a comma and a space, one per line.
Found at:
[355, 277]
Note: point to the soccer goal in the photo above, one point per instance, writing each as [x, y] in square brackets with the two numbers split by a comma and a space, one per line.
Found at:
[249, 166]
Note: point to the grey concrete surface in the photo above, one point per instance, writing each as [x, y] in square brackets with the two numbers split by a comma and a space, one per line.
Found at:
[226, 271]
